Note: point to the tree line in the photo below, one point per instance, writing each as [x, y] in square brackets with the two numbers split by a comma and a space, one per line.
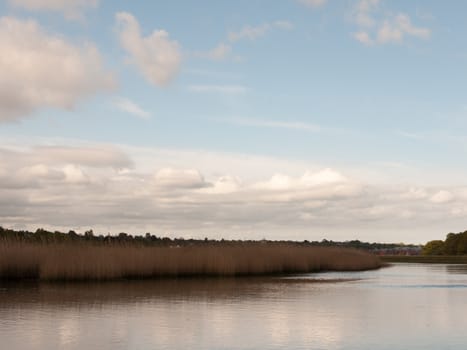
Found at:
[454, 244]
[42, 236]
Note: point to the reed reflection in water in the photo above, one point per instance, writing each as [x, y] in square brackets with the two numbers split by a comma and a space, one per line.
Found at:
[401, 307]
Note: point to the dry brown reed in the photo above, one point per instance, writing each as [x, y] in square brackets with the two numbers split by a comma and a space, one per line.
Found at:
[69, 262]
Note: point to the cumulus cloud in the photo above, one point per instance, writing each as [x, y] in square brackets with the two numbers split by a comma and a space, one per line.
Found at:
[216, 194]
[324, 177]
[396, 29]
[363, 37]
[30, 176]
[172, 198]
[179, 178]
[442, 196]
[312, 185]
[378, 27]
[74, 174]
[40, 70]
[72, 9]
[223, 185]
[415, 193]
[156, 56]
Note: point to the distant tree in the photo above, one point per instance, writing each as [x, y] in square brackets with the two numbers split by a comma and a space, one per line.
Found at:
[434, 248]
[89, 234]
[462, 244]
[123, 236]
[451, 243]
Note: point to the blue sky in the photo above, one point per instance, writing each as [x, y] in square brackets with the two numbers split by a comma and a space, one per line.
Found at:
[330, 119]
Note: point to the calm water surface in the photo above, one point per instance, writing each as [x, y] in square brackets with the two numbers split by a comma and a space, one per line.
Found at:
[406, 306]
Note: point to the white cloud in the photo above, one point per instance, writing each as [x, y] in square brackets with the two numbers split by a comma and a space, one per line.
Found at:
[31, 175]
[220, 89]
[415, 193]
[223, 185]
[378, 27]
[325, 184]
[277, 182]
[364, 9]
[101, 156]
[223, 50]
[74, 174]
[218, 53]
[442, 196]
[324, 177]
[72, 9]
[363, 37]
[255, 32]
[404, 22]
[241, 196]
[313, 3]
[131, 107]
[156, 56]
[39, 70]
[179, 178]
[37, 170]
[249, 32]
[394, 30]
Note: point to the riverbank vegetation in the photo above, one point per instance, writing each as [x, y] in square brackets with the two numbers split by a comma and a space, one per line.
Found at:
[42, 236]
[77, 258]
[454, 244]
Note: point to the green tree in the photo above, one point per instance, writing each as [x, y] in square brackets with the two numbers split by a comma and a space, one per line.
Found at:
[451, 243]
[433, 248]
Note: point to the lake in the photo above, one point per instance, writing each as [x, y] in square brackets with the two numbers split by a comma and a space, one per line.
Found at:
[405, 306]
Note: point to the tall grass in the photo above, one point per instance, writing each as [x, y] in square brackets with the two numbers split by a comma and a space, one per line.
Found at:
[19, 260]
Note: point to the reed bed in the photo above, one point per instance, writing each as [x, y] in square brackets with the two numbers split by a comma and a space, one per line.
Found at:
[73, 262]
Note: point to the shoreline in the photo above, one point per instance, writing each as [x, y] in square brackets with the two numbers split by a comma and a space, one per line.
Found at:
[425, 259]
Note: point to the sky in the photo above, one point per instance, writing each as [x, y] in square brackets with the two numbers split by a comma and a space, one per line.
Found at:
[284, 119]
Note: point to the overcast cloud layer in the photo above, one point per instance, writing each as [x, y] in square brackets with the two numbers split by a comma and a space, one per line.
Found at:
[106, 188]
